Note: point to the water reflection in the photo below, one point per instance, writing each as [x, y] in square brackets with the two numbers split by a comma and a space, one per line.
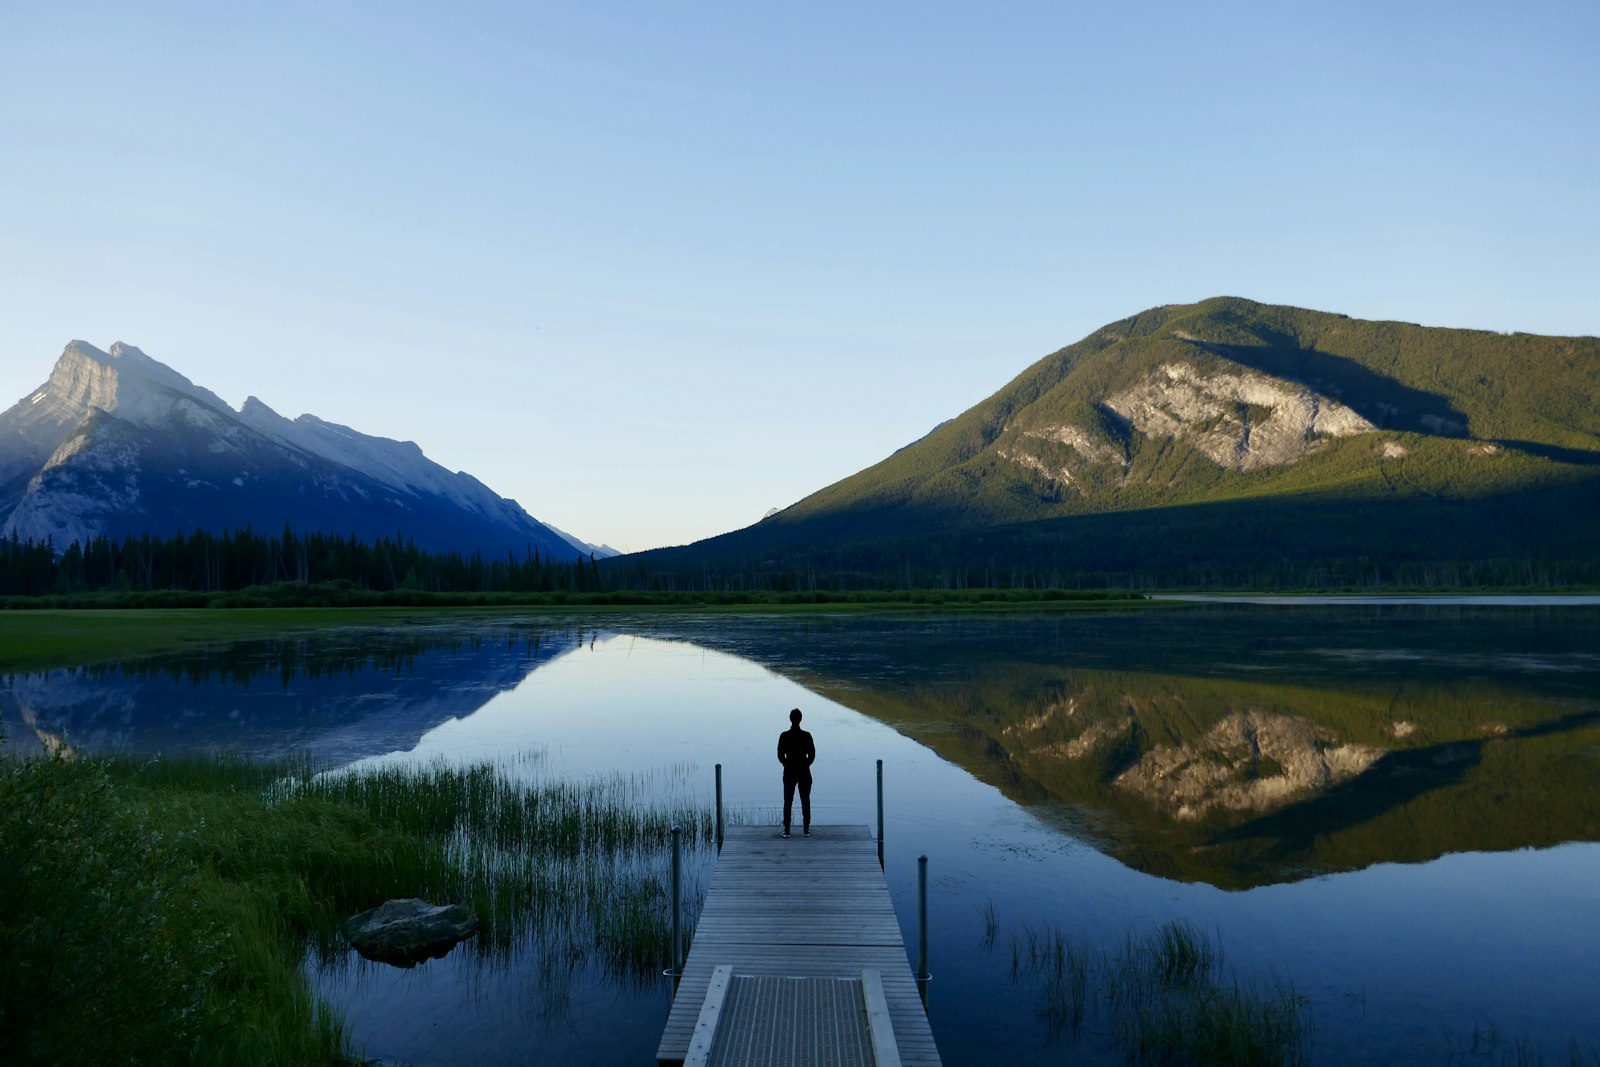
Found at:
[1242, 747]
[340, 696]
[1235, 746]
[1347, 795]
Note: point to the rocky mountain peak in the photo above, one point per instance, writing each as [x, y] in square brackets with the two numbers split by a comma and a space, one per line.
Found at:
[128, 353]
[255, 406]
[118, 442]
[124, 382]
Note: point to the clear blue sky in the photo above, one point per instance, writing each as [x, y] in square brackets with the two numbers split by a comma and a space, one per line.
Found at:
[654, 268]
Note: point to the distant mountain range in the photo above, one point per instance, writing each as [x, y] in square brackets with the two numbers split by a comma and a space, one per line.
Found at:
[117, 443]
[1222, 437]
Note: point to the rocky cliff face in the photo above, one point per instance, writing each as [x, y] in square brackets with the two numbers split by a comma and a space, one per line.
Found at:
[117, 443]
[1239, 421]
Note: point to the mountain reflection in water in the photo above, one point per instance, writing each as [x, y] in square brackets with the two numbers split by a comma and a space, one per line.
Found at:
[1241, 746]
[1049, 765]
[1235, 746]
[339, 696]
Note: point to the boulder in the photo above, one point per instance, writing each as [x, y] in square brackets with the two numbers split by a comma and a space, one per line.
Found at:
[408, 932]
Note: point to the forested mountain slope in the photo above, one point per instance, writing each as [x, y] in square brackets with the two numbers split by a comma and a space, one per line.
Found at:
[1224, 434]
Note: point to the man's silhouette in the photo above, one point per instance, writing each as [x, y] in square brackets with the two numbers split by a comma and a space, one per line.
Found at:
[795, 752]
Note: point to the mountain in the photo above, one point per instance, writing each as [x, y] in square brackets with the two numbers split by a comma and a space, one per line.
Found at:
[117, 443]
[585, 547]
[1217, 438]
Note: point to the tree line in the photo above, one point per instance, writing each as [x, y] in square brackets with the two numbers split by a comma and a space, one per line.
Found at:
[294, 568]
[238, 559]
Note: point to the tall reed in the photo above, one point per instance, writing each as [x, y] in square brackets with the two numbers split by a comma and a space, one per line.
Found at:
[184, 894]
[1164, 998]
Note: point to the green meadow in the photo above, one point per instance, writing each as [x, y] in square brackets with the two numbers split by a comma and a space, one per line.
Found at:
[119, 627]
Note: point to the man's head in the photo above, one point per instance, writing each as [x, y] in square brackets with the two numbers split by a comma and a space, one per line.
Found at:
[794, 717]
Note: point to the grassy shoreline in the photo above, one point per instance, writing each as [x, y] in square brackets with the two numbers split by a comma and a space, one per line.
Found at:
[346, 595]
[44, 638]
[160, 910]
[51, 633]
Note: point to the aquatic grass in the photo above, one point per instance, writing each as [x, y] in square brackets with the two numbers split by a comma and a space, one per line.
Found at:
[1180, 955]
[1163, 998]
[1487, 1044]
[174, 901]
[610, 815]
[534, 859]
[1237, 1024]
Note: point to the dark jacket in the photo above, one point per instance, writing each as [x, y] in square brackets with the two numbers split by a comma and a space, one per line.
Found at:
[795, 752]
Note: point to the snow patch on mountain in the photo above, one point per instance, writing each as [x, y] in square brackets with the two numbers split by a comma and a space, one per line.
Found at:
[398, 464]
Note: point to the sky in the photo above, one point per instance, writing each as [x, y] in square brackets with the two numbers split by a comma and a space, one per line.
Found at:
[653, 269]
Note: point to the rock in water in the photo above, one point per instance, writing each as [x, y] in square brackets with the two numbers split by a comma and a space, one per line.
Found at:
[408, 932]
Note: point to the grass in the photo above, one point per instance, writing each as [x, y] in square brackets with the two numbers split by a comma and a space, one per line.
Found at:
[161, 911]
[1163, 999]
[300, 596]
[36, 640]
[42, 638]
[1485, 1044]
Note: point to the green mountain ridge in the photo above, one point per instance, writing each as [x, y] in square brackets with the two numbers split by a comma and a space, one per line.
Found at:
[1321, 438]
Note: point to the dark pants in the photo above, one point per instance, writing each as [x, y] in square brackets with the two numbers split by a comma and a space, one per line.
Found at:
[789, 783]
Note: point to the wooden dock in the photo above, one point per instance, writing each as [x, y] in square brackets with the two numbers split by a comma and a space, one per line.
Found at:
[804, 908]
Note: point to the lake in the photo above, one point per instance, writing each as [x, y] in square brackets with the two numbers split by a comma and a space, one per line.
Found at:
[1395, 807]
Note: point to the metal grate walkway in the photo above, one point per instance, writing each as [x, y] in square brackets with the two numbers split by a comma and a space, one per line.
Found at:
[792, 1022]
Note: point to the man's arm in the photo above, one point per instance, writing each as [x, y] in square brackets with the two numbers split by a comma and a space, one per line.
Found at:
[780, 749]
[811, 750]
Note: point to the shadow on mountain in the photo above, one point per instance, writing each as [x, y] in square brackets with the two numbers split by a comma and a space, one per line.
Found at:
[1578, 457]
[1381, 400]
[1395, 780]
[1288, 541]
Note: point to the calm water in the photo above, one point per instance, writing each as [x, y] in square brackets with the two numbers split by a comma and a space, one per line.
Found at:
[1394, 806]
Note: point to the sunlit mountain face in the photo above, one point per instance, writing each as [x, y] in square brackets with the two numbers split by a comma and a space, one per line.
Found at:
[1224, 443]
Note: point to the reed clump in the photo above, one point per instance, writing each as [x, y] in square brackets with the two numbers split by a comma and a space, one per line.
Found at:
[1163, 998]
[1488, 1045]
[162, 910]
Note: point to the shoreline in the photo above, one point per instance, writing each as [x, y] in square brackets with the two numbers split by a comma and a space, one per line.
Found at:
[53, 637]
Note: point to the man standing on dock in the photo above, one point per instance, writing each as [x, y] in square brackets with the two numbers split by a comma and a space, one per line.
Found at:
[796, 752]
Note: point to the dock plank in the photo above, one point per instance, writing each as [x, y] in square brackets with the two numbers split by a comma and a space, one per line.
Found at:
[802, 907]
